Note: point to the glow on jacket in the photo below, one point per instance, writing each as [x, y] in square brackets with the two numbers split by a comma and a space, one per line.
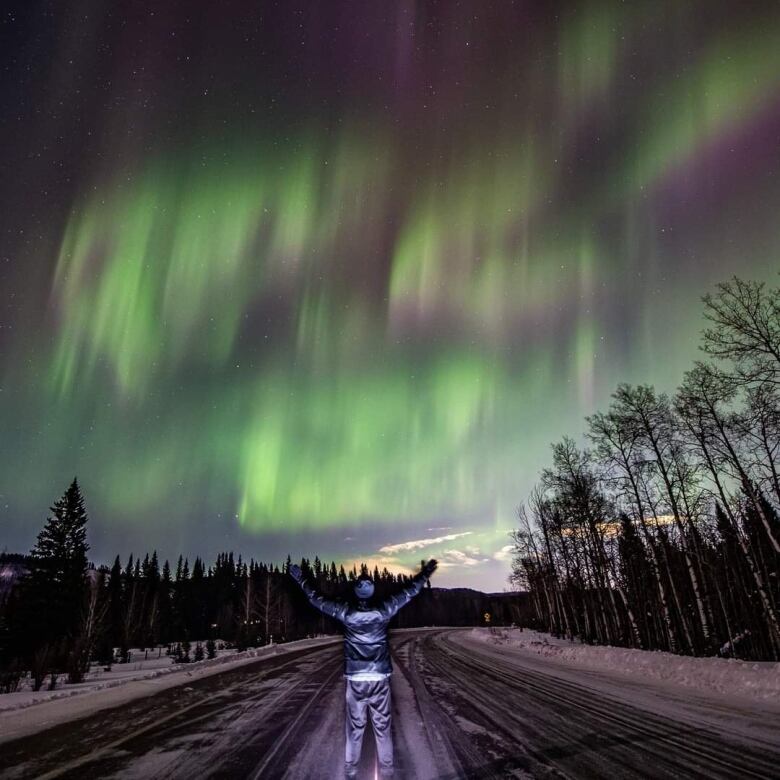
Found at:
[366, 648]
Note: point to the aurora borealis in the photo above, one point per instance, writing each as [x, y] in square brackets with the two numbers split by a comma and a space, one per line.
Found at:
[328, 278]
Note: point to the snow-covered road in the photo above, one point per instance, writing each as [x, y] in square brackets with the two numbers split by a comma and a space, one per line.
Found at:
[462, 708]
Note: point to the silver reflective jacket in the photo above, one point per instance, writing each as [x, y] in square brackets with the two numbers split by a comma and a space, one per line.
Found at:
[365, 627]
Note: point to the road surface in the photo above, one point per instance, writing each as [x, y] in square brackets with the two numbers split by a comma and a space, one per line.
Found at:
[462, 709]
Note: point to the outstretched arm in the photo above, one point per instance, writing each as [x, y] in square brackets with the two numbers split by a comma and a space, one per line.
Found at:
[327, 607]
[394, 603]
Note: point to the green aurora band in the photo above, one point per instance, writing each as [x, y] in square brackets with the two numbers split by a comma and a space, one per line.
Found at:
[352, 416]
[328, 329]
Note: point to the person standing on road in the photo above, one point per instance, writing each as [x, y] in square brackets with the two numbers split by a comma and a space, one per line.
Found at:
[367, 665]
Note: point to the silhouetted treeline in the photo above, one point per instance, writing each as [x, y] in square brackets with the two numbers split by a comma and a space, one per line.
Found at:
[664, 532]
[57, 614]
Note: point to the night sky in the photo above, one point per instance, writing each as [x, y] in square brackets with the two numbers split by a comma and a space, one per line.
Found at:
[329, 277]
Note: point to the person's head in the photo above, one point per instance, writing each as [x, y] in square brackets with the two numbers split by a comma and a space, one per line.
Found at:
[364, 588]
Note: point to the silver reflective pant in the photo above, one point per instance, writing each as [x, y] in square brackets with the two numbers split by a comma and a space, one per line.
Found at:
[366, 697]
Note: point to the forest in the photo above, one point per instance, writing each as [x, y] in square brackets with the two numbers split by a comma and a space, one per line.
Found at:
[59, 614]
[662, 531]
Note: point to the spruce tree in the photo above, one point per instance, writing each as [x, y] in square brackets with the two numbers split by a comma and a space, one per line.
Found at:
[62, 544]
[115, 601]
[166, 611]
[54, 589]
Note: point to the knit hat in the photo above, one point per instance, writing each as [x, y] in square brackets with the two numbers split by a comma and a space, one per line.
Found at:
[364, 588]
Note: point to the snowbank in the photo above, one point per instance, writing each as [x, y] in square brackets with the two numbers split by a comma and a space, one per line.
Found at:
[756, 680]
[151, 669]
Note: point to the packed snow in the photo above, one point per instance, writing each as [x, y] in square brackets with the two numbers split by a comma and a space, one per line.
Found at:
[465, 703]
[144, 665]
[25, 710]
[727, 676]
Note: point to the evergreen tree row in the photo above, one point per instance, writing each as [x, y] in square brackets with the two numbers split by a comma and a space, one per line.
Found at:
[62, 614]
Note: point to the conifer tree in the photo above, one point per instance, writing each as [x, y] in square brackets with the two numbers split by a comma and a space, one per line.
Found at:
[54, 589]
[166, 611]
[115, 607]
[129, 569]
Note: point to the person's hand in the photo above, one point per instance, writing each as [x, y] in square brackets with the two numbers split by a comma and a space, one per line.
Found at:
[430, 567]
[295, 572]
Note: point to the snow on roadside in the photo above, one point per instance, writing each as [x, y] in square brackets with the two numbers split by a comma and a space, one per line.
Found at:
[151, 669]
[727, 676]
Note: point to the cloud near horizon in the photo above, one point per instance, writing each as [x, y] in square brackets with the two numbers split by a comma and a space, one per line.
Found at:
[417, 544]
[393, 565]
[459, 565]
[451, 558]
[504, 554]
